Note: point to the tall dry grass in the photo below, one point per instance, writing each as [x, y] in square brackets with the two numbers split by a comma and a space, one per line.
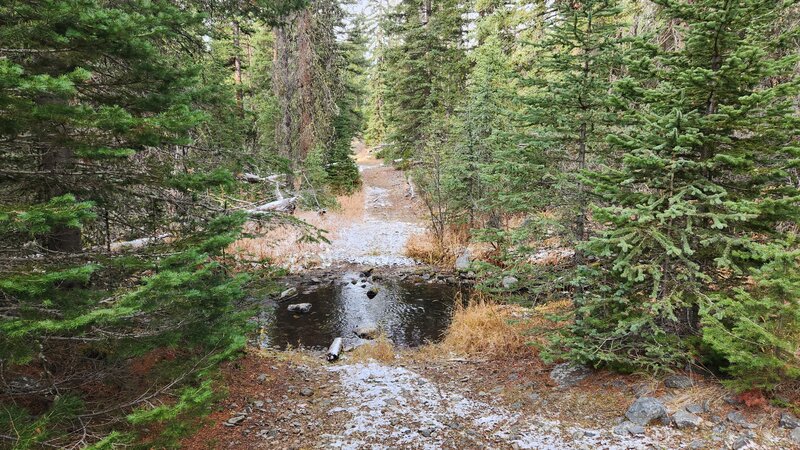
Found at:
[425, 247]
[381, 349]
[484, 328]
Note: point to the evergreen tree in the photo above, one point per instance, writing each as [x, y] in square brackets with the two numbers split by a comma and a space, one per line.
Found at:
[700, 202]
[349, 121]
[568, 110]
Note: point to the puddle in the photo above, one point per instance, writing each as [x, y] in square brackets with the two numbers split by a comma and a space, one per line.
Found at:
[408, 313]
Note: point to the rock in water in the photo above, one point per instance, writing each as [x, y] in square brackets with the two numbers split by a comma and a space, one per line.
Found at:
[685, 419]
[367, 331]
[678, 382]
[509, 282]
[568, 374]
[372, 292]
[367, 272]
[288, 293]
[301, 308]
[463, 261]
[646, 410]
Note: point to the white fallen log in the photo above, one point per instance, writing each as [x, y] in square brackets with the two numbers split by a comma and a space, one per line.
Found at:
[286, 205]
[335, 349]
[252, 178]
[138, 243]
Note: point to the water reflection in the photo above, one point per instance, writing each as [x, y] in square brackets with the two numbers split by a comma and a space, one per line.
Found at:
[409, 313]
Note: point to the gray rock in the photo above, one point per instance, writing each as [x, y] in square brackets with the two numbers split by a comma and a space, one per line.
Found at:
[262, 377]
[788, 420]
[463, 261]
[288, 293]
[695, 408]
[626, 428]
[678, 382]
[301, 308]
[697, 444]
[508, 282]
[367, 331]
[569, 374]
[741, 442]
[646, 410]
[235, 420]
[427, 432]
[795, 435]
[684, 419]
[738, 418]
[306, 392]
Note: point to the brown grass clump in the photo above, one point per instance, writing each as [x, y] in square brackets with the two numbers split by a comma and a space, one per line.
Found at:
[426, 247]
[381, 349]
[483, 328]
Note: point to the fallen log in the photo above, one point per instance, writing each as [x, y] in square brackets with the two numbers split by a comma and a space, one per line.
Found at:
[286, 205]
[138, 243]
[335, 349]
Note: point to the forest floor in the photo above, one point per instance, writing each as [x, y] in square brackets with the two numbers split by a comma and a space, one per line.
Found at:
[431, 398]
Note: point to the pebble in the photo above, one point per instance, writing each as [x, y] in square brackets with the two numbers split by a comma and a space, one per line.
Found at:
[306, 392]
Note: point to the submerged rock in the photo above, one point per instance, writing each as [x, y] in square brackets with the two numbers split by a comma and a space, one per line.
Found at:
[372, 292]
[646, 410]
[288, 293]
[301, 308]
[366, 331]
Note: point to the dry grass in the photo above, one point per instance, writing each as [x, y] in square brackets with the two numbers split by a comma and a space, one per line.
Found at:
[381, 349]
[426, 247]
[483, 328]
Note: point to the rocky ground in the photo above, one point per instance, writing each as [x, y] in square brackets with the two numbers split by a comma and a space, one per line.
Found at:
[424, 399]
[296, 400]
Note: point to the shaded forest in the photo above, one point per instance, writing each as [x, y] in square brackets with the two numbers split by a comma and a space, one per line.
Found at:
[652, 146]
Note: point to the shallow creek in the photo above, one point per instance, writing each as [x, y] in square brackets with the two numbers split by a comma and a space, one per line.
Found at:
[409, 313]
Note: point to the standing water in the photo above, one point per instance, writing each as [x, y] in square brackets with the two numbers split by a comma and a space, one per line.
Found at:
[408, 313]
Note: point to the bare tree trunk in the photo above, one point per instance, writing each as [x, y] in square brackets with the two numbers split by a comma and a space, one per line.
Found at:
[61, 238]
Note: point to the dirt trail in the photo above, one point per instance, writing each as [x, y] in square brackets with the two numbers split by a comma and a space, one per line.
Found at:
[391, 216]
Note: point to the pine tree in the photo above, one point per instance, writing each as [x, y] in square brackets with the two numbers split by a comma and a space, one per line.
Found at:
[342, 170]
[700, 201]
[568, 112]
[426, 73]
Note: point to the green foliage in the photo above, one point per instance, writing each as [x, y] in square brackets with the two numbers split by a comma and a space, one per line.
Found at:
[701, 189]
[64, 211]
[756, 327]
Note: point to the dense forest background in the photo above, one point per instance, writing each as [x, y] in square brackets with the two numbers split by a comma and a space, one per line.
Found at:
[654, 143]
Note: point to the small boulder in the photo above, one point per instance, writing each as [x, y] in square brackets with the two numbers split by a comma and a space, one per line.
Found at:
[684, 419]
[235, 420]
[788, 420]
[696, 408]
[366, 273]
[372, 292]
[463, 261]
[509, 282]
[288, 293]
[795, 435]
[301, 308]
[367, 332]
[646, 410]
[569, 374]
[626, 428]
[738, 418]
[306, 392]
[678, 382]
